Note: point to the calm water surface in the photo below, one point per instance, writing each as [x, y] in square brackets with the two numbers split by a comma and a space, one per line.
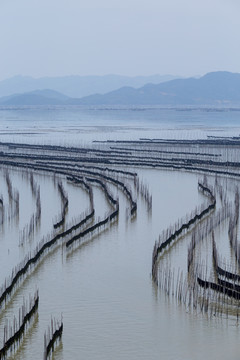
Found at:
[103, 289]
[80, 125]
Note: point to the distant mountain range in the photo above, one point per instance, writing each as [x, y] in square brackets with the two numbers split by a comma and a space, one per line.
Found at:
[216, 88]
[77, 86]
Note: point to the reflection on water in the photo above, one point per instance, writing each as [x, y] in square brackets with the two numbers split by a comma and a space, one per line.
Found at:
[111, 309]
[104, 290]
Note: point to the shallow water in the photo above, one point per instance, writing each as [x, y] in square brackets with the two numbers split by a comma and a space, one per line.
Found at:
[81, 125]
[103, 289]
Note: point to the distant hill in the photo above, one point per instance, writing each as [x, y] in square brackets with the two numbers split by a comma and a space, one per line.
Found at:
[217, 88]
[77, 86]
[37, 97]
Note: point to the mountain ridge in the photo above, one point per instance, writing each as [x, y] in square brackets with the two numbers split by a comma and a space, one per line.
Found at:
[212, 88]
[216, 88]
[77, 86]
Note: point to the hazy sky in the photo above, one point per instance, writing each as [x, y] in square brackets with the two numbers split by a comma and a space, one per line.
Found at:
[126, 37]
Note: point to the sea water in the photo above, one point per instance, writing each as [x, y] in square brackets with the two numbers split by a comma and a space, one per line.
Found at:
[103, 289]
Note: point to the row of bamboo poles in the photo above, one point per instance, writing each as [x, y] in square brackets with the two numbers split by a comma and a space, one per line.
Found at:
[79, 167]
[32, 258]
[13, 333]
[213, 291]
[64, 200]
[71, 232]
[180, 229]
[51, 337]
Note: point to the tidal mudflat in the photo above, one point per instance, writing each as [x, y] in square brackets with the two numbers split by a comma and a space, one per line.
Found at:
[119, 248]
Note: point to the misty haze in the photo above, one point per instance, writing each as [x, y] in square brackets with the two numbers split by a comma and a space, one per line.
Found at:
[119, 196]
